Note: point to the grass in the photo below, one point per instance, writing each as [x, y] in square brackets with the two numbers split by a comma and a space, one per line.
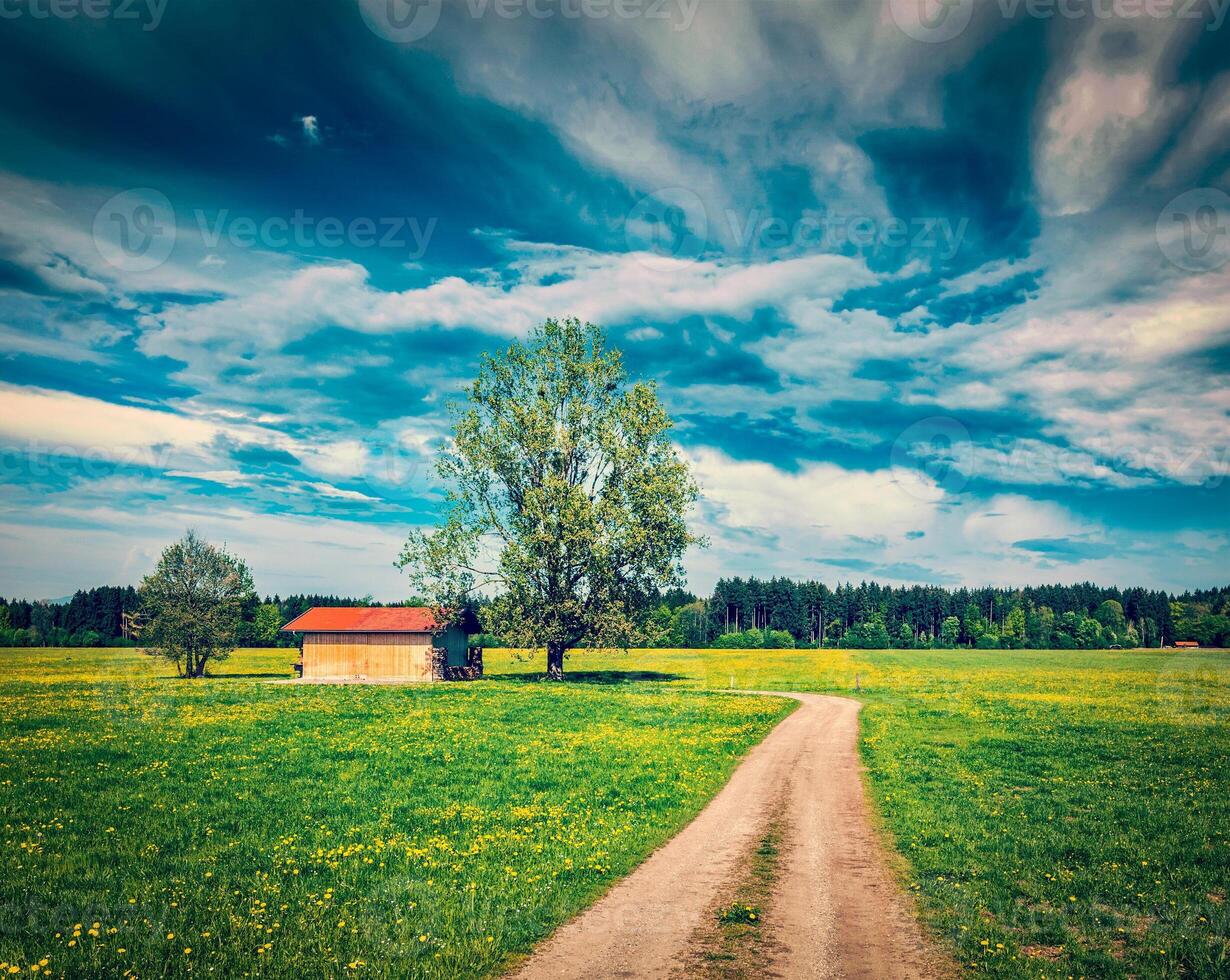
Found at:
[230, 827]
[1060, 813]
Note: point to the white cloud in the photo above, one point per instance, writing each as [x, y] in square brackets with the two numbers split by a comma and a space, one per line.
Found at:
[826, 522]
[1105, 115]
[14, 341]
[328, 490]
[758, 496]
[226, 478]
[549, 281]
[41, 421]
[311, 129]
[51, 225]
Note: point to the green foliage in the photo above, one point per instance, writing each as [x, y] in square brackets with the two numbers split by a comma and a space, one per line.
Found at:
[1089, 634]
[778, 640]
[1208, 623]
[755, 640]
[266, 623]
[1039, 627]
[950, 631]
[973, 624]
[1109, 616]
[193, 603]
[871, 635]
[1013, 635]
[566, 496]
[679, 618]
[684, 625]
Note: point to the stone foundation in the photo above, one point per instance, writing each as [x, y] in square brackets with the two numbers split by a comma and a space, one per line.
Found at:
[471, 670]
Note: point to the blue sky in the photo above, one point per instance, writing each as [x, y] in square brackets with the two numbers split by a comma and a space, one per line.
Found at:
[933, 298]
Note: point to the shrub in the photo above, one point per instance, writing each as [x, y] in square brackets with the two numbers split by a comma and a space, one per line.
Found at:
[747, 640]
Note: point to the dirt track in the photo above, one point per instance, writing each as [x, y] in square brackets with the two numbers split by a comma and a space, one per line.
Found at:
[835, 909]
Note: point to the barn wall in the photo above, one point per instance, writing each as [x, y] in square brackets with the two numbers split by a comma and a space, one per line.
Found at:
[456, 641]
[385, 656]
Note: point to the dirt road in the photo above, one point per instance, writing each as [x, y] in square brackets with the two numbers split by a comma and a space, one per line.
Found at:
[835, 910]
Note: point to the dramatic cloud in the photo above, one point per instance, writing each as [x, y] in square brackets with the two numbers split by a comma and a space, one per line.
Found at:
[947, 312]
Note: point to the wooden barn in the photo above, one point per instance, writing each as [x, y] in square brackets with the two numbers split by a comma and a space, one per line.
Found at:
[398, 643]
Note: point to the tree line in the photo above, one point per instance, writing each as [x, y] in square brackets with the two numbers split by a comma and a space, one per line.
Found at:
[750, 612]
[779, 612]
[110, 616]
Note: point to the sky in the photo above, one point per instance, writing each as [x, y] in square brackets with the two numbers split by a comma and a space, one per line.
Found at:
[936, 291]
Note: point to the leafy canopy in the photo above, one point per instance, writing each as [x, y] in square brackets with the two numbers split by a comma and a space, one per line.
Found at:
[566, 497]
[193, 604]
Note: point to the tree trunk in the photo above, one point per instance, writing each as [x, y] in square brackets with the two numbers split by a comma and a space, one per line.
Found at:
[195, 665]
[555, 661]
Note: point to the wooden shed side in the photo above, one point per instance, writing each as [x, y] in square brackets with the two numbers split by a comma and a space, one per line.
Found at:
[456, 642]
[371, 656]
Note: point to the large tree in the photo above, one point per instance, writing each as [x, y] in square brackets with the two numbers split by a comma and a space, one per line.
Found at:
[566, 497]
[193, 604]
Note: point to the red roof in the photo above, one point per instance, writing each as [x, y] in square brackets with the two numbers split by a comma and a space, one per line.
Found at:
[362, 619]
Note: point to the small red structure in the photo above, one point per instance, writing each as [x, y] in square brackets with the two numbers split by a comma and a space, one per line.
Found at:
[1186, 644]
[393, 643]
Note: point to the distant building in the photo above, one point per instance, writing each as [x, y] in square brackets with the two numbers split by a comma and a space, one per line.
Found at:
[397, 643]
[1186, 644]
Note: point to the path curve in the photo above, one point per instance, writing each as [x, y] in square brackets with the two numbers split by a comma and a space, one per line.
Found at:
[836, 910]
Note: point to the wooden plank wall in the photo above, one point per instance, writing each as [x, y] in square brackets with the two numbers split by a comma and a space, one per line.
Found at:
[456, 642]
[374, 656]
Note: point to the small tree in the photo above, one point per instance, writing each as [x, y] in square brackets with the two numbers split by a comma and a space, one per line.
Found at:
[870, 635]
[1013, 634]
[566, 496]
[875, 633]
[193, 604]
[1109, 616]
[950, 631]
[266, 623]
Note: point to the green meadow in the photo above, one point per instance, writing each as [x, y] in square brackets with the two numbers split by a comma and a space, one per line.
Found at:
[1058, 813]
[157, 827]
